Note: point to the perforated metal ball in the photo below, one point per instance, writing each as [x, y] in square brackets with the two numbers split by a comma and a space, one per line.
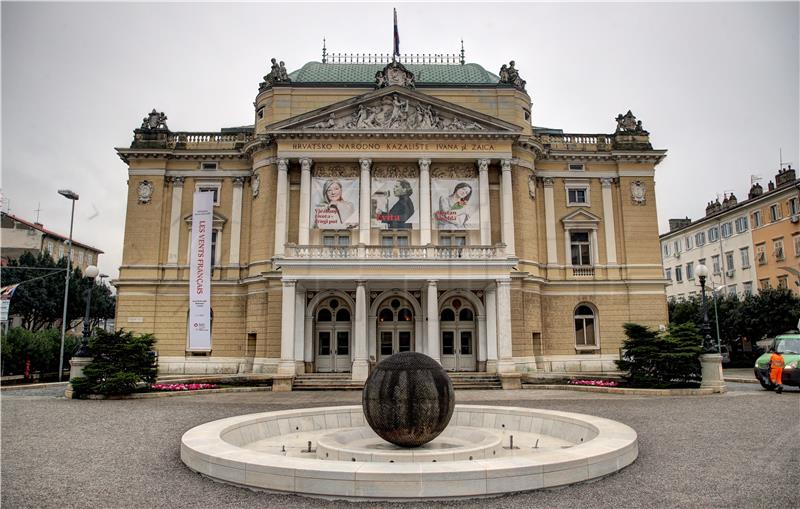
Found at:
[408, 399]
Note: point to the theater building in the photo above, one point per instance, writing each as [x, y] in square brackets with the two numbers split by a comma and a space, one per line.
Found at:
[385, 206]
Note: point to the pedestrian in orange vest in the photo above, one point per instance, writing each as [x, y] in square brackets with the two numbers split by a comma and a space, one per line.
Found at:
[776, 370]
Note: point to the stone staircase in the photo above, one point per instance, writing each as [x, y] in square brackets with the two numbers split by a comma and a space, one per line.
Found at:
[342, 381]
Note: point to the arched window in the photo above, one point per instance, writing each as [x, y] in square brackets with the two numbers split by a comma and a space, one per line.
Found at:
[343, 315]
[386, 315]
[324, 315]
[404, 315]
[585, 327]
[448, 315]
[465, 315]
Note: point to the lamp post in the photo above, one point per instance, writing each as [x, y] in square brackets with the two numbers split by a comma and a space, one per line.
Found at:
[72, 196]
[716, 316]
[708, 344]
[83, 350]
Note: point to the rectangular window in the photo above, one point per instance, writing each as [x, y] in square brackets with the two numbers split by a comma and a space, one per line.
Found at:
[741, 224]
[666, 250]
[774, 212]
[783, 281]
[777, 249]
[764, 284]
[61, 255]
[700, 238]
[747, 288]
[732, 290]
[584, 328]
[677, 246]
[679, 274]
[214, 236]
[690, 270]
[701, 261]
[713, 234]
[757, 219]
[689, 243]
[50, 248]
[336, 239]
[792, 206]
[208, 166]
[80, 257]
[727, 230]
[576, 167]
[729, 261]
[452, 239]
[580, 248]
[796, 240]
[715, 264]
[577, 196]
[745, 254]
[668, 274]
[210, 187]
[761, 254]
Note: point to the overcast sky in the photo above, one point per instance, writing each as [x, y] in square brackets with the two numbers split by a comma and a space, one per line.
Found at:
[716, 84]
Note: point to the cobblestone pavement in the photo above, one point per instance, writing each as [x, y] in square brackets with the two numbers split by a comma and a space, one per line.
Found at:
[697, 451]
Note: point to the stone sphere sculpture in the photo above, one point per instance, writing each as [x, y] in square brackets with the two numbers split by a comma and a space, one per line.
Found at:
[408, 399]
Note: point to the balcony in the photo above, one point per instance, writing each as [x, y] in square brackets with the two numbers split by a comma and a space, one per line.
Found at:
[583, 272]
[318, 252]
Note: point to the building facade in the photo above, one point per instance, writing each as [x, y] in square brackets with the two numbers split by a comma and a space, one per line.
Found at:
[21, 235]
[375, 208]
[747, 246]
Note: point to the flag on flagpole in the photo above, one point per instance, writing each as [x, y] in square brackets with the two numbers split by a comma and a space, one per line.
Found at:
[396, 36]
[8, 291]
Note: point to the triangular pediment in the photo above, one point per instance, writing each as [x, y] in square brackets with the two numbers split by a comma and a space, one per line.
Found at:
[580, 217]
[218, 220]
[396, 109]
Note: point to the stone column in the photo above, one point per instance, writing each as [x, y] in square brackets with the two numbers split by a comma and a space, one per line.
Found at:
[299, 329]
[286, 365]
[363, 237]
[308, 341]
[507, 208]
[608, 222]
[505, 363]
[485, 211]
[305, 200]
[281, 205]
[175, 220]
[550, 223]
[236, 220]
[360, 362]
[424, 202]
[491, 329]
[434, 341]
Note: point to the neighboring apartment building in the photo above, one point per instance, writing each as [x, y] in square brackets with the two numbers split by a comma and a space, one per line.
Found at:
[746, 245]
[376, 208]
[20, 235]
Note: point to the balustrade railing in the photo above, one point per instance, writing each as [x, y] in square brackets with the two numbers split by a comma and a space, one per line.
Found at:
[586, 142]
[394, 252]
[195, 138]
[583, 271]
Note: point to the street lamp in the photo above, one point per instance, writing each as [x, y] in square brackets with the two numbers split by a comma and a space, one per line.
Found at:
[708, 344]
[83, 350]
[70, 195]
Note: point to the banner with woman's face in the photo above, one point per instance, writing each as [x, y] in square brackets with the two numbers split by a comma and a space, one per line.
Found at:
[455, 204]
[395, 203]
[334, 203]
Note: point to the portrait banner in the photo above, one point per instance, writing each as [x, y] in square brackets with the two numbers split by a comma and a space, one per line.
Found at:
[200, 272]
[455, 204]
[334, 203]
[395, 203]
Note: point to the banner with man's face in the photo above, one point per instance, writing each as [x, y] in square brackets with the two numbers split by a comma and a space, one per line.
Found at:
[334, 203]
[455, 204]
[395, 203]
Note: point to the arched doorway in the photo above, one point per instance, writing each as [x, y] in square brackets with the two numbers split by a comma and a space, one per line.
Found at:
[332, 336]
[457, 329]
[395, 332]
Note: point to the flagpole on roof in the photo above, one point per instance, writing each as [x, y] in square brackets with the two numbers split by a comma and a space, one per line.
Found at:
[396, 49]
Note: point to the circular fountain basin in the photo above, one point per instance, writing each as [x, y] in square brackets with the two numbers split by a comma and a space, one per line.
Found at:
[331, 452]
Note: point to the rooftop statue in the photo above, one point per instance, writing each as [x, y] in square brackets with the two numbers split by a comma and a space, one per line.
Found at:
[510, 75]
[277, 74]
[627, 124]
[155, 120]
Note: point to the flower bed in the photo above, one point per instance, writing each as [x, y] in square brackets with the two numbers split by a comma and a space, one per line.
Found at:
[182, 387]
[594, 383]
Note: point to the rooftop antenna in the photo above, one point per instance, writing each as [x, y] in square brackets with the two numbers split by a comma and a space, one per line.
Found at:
[324, 52]
[462, 52]
[780, 156]
[36, 211]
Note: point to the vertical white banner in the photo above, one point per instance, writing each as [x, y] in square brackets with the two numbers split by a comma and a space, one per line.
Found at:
[200, 272]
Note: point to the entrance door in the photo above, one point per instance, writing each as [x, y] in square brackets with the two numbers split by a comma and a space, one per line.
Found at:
[395, 328]
[333, 328]
[457, 325]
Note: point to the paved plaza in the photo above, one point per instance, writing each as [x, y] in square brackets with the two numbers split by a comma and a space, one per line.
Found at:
[700, 451]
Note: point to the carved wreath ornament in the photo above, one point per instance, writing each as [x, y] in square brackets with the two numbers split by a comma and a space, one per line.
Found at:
[638, 192]
[145, 191]
[393, 112]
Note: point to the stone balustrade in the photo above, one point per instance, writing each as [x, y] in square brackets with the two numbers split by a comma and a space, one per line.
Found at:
[294, 251]
[583, 142]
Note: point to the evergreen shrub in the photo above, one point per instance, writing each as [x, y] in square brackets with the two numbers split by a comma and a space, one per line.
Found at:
[121, 361]
[661, 360]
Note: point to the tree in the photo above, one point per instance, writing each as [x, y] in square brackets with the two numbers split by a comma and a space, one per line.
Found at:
[39, 302]
[658, 360]
[40, 348]
[120, 361]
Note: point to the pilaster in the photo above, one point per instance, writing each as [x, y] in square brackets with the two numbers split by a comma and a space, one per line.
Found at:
[305, 200]
[175, 220]
[236, 220]
[364, 219]
[507, 208]
[425, 201]
[483, 187]
[281, 206]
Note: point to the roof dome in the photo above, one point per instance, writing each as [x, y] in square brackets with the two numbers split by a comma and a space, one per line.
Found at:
[424, 74]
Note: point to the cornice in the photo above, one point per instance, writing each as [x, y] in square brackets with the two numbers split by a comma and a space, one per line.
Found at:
[387, 134]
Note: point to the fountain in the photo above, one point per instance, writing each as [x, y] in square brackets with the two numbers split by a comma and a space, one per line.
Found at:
[408, 441]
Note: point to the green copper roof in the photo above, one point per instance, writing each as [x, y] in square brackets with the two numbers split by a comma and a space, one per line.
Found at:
[467, 74]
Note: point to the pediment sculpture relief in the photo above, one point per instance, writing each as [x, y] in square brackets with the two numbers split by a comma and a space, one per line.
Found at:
[395, 112]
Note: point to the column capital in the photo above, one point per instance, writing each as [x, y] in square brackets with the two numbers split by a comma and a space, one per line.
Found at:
[433, 282]
[176, 181]
[505, 164]
[503, 282]
[365, 163]
[238, 181]
[361, 282]
[606, 181]
[289, 283]
[305, 163]
[283, 164]
[547, 181]
[424, 164]
[483, 165]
